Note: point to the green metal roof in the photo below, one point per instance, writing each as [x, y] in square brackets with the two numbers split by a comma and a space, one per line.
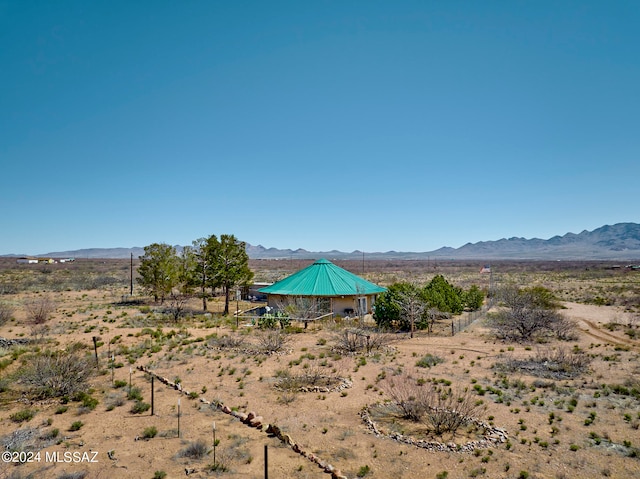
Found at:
[323, 278]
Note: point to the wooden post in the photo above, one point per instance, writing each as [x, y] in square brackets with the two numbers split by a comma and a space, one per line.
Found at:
[214, 444]
[266, 462]
[95, 349]
[178, 417]
[152, 402]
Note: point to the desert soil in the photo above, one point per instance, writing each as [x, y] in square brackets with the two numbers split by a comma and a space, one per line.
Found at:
[547, 439]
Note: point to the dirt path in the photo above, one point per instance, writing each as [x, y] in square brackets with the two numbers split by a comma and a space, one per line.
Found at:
[587, 317]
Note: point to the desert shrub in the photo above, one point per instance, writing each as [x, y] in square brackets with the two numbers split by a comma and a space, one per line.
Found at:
[429, 360]
[442, 408]
[273, 341]
[139, 407]
[119, 383]
[23, 415]
[150, 432]
[226, 341]
[39, 310]
[76, 425]
[195, 450]
[88, 402]
[56, 374]
[357, 339]
[559, 363]
[6, 312]
[134, 393]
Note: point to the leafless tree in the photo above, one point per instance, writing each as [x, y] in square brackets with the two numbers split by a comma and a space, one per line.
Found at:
[177, 304]
[412, 306]
[525, 315]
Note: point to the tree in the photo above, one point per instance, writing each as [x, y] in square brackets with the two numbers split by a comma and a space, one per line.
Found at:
[158, 270]
[412, 306]
[439, 293]
[387, 310]
[474, 298]
[201, 258]
[229, 265]
[528, 313]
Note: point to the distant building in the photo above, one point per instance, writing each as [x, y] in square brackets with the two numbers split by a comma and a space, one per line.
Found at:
[27, 261]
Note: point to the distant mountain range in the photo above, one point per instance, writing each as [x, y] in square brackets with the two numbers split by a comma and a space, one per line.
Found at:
[616, 242]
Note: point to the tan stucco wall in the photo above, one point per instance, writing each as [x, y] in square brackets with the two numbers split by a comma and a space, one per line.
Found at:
[338, 304]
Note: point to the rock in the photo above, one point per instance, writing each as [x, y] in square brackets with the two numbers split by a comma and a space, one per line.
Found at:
[256, 421]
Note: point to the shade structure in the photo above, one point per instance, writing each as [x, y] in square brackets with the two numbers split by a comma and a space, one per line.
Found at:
[323, 278]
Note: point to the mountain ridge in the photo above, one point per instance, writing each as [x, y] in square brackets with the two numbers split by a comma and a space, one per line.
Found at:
[609, 242]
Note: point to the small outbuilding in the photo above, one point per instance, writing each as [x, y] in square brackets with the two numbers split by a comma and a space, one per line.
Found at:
[324, 288]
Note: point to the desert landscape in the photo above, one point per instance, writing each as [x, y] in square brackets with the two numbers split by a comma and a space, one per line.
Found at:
[209, 395]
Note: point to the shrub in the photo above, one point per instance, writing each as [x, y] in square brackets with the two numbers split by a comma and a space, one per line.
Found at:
[195, 450]
[363, 471]
[23, 415]
[139, 407]
[57, 374]
[76, 425]
[429, 360]
[134, 393]
[150, 432]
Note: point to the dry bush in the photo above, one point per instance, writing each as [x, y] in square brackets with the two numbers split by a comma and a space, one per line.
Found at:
[6, 313]
[195, 450]
[39, 310]
[442, 409]
[272, 341]
[226, 342]
[57, 374]
[407, 395]
[354, 339]
[559, 363]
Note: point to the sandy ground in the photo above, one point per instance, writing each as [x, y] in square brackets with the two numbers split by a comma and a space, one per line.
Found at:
[547, 439]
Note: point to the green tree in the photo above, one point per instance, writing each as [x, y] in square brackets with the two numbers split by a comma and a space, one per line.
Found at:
[229, 265]
[474, 298]
[440, 294]
[200, 264]
[388, 311]
[158, 270]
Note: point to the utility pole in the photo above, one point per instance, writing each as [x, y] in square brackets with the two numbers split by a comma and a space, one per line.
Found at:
[131, 278]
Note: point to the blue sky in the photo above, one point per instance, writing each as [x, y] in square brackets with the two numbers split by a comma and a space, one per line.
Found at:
[370, 125]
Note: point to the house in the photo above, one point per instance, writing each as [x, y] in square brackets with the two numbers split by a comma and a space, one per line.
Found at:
[325, 288]
[27, 261]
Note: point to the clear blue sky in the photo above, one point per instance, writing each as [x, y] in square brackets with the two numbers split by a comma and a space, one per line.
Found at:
[371, 125]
